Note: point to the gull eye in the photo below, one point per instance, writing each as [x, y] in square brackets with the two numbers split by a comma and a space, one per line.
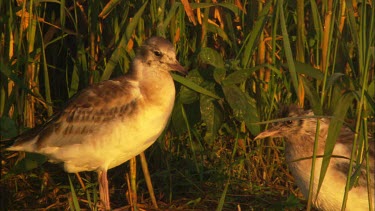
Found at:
[158, 53]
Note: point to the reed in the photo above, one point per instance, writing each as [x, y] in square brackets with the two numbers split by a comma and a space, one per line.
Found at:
[246, 58]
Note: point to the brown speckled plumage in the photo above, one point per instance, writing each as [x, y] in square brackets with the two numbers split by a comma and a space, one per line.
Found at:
[299, 134]
[110, 122]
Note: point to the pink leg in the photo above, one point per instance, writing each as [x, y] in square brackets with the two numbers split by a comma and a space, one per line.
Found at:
[103, 188]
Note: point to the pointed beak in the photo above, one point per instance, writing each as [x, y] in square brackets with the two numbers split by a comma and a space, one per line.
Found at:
[178, 67]
[274, 132]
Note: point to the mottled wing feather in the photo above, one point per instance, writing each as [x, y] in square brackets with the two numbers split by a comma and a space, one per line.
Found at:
[85, 113]
[346, 137]
[34, 132]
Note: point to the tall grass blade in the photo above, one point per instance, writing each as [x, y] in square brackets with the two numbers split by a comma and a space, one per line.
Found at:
[287, 47]
[120, 50]
[250, 43]
[333, 132]
[74, 196]
[194, 86]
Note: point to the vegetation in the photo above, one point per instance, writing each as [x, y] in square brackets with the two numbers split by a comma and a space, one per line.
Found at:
[245, 60]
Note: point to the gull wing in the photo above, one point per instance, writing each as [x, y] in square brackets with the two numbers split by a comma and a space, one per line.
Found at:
[84, 115]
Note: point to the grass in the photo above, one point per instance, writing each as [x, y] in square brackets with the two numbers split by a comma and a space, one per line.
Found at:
[245, 59]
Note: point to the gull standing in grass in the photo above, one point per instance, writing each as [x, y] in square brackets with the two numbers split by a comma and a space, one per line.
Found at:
[299, 145]
[110, 122]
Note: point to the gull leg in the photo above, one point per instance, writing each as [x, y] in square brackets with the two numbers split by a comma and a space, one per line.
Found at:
[133, 183]
[103, 189]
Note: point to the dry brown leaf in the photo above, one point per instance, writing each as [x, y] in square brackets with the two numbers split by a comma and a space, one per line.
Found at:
[189, 11]
[238, 3]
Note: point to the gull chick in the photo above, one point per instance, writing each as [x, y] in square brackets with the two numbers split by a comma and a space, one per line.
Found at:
[299, 134]
[110, 122]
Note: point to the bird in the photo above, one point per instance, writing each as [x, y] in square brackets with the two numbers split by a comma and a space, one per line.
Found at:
[108, 123]
[299, 131]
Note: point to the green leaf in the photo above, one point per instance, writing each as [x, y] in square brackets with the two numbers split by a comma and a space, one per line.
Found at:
[31, 161]
[211, 114]
[177, 118]
[187, 95]
[219, 31]
[219, 74]
[134, 21]
[317, 22]
[333, 132]
[308, 70]
[242, 75]
[312, 96]
[352, 24]
[108, 8]
[253, 37]
[229, 6]
[8, 128]
[288, 48]
[74, 84]
[221, 203]
[243, 107]
[211, 57]
[170, 15]
[120, 50]
[193, 86]
[370, 93]
[332, 79]
[74, 195]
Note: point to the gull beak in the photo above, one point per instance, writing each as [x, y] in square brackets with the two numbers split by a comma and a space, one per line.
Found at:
[178, 67]
[275, 132]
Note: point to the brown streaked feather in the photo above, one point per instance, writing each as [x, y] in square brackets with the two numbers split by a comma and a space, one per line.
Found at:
[85, 112]
[346, 137]
[32, 133]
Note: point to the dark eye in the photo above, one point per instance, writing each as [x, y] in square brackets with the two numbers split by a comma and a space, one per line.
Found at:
[158, 53]
[289, 122]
